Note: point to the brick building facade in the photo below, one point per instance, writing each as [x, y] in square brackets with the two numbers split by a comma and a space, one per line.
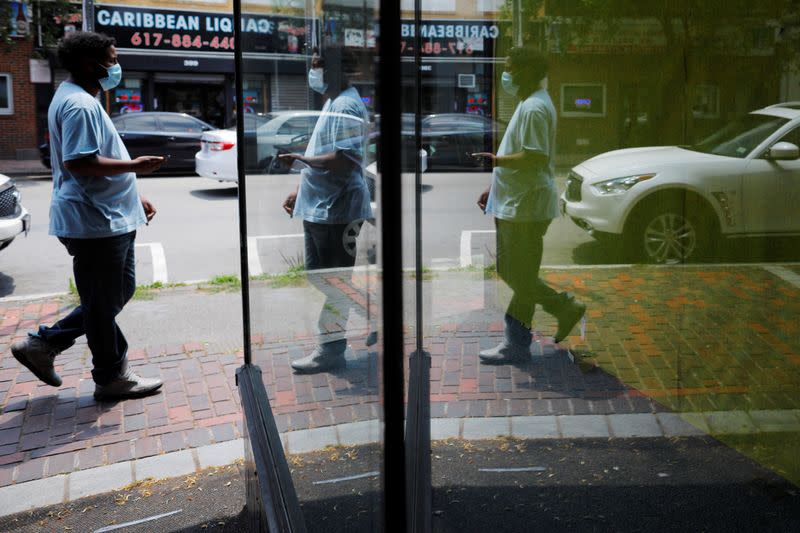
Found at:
[19, 137]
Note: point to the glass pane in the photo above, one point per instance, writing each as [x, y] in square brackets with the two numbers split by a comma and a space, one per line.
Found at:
[312, 235]
[609, 291]
[5, 85]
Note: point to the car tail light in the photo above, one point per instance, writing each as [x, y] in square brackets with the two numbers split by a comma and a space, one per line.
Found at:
[219, 146]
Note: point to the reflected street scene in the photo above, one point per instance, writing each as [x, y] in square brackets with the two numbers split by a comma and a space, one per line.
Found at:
[475, 265]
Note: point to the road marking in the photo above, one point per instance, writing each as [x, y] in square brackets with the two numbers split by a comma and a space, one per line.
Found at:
[789, 276]
[136, 522]
[159, 260]
[253, 260]
[348, 478]
[519, 469]
[466, 245]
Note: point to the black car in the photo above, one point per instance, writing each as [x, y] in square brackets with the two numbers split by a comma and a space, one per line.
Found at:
[176, 135]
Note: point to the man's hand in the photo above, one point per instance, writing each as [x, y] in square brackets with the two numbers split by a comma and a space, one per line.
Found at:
[289, 158]
[147, 164]
[149, 209]
[481, 158]
[288, 204]
[483, 199]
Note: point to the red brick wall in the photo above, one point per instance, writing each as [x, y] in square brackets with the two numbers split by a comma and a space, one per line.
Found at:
[18, 130]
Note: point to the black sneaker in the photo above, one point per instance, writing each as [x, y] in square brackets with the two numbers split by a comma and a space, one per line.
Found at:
[568, 317]
[505, 353]
[126, 385]
[318, 362]
[37, 355]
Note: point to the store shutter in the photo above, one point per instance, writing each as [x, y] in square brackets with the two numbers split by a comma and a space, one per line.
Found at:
[288, 93]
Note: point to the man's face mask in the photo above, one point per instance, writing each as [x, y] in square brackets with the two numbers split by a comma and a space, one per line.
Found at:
[112, 78]
[507, 81]
[316, 80]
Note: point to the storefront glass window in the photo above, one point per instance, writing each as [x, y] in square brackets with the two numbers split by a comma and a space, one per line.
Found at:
[312, 237]
[599, 244]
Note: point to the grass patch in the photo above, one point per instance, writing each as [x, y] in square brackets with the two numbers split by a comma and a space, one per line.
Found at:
[148, 292]
[223, 283]
[427, 274]
[295, 276]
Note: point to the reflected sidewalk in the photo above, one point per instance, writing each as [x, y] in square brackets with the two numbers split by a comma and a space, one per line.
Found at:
[714, 346]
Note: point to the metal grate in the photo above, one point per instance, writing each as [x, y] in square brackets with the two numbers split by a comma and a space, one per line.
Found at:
[8, 202]
[574, 183]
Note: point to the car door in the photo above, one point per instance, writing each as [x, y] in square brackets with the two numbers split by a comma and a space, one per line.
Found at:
[140, 135]
[771, 193]
[181, 139]
[444, 145]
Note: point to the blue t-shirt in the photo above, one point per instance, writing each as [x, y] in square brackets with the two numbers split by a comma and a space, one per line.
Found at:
[527, 195]
[88, 207]
[325, 197]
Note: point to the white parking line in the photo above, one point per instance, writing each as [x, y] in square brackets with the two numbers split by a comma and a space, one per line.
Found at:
[159, 261]
[466, 245]
[789, 276]
[348, 478]
[518, 469]
[253, 260]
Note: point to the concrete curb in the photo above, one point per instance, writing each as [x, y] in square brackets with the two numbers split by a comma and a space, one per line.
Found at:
[62, 488]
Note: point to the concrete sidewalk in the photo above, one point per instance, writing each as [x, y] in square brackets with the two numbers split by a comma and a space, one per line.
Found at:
[668, 352]
[23, 168]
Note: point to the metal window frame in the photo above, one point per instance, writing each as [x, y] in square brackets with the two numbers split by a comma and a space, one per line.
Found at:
[9, 110]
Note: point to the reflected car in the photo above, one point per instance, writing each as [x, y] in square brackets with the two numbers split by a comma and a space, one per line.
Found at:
[217, 156]
[448, 139]
[14, 218]
[285, 131]
[156, 133]
[671, 204]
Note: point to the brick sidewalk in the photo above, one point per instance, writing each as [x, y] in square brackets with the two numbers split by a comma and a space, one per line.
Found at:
[689, 339]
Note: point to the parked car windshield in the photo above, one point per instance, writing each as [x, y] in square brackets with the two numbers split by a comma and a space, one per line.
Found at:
[741, 136]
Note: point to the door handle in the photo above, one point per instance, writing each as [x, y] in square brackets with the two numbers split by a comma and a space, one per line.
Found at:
[171, 138]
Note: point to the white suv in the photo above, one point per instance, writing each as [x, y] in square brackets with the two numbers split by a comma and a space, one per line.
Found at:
[671, 204]
[14, 219]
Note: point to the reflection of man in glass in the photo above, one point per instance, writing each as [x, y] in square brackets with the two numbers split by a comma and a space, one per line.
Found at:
[524, 200]
[333, 198]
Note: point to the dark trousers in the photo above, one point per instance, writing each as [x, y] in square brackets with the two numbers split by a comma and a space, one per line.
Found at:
[331, 246]
[519, 257]
[105, 276]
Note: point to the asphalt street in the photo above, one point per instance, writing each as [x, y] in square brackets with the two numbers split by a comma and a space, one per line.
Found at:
[195, 233]
[690, 484]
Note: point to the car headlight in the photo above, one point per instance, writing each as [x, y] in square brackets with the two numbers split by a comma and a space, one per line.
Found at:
[620, 185]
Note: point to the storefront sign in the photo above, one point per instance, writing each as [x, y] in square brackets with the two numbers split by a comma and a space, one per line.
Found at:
[165, 29]
[451, 38]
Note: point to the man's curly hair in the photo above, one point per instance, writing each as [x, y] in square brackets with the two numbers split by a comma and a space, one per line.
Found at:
[80, 45]
[530, 65]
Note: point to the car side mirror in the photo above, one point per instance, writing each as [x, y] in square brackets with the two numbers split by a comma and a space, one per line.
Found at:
[783, 151]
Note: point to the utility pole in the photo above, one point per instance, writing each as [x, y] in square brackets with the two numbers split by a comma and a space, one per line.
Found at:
[88, 15]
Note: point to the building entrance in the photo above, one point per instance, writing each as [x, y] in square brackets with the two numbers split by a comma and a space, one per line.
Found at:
[204, 101]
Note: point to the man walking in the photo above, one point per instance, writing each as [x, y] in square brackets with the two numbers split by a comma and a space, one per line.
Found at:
[94, 212]
[523, 200]
[333, 196]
